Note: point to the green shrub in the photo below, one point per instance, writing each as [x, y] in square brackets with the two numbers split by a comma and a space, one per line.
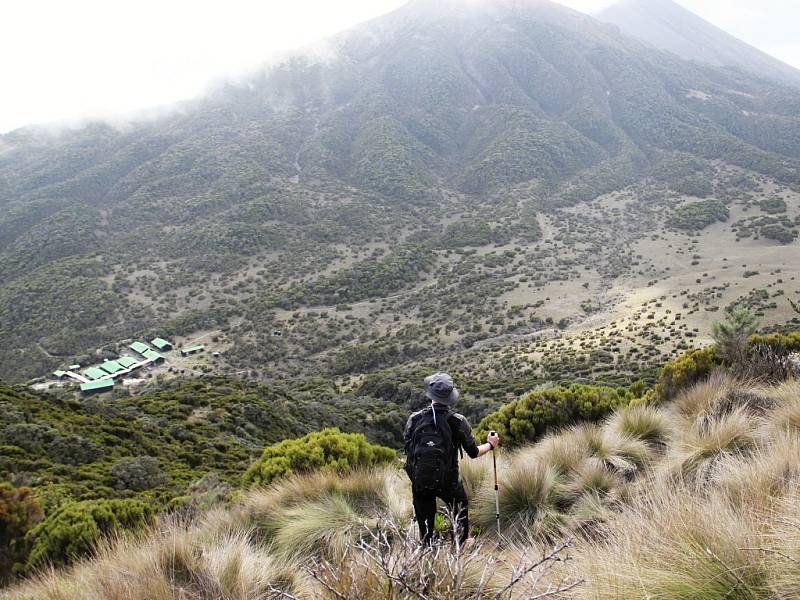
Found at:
[138, 473]
[789, 342]
[777, 232]
[698, 215]
[74, 450]
[733, 334]
[329, 448]
[773, 205]
[72, 530]
[686, 370]
[694, 185]
[529, 417]
[365, 279]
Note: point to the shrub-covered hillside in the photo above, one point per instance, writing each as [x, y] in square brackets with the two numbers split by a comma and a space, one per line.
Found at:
[714, 471]
[709, 455]
[155, 445]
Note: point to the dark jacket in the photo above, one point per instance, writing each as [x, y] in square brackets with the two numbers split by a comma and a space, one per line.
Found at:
[459, 428]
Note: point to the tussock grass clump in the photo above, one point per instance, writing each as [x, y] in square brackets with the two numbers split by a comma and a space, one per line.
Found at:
[594, 478]
[567, 451]
[174, 562]
[323, 512]
[618, 452]
[475, 474]
[646, 423]
[529, 499]
[675, 545]
[764, 478]
[561, 451]
[785, 417]
[709, 440]
[721, 395]
[701, 398]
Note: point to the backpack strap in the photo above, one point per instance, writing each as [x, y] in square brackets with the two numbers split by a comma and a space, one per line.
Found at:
[456, 443]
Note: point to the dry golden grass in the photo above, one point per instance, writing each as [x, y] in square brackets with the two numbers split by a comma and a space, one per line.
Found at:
[673, 545]
[646, 423]
[763, 478]
[785, 416]
[475, 474]
[698, 500]
[529, 499]
[324, 512]
[709, 440]
[174, 561]
[703, 397]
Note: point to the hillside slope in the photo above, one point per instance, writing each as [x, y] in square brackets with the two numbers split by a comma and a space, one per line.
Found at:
[666, 25]
[420, 187]
[715, 472]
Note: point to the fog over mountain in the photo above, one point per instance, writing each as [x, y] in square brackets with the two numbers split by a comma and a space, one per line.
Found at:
[363, 183]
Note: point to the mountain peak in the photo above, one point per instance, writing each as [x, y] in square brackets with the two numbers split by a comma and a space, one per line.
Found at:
[667, 25]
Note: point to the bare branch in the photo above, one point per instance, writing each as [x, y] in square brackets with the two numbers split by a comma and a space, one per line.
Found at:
[279, 593]
[771, 551]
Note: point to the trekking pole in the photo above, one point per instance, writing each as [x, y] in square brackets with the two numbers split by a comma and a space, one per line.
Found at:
[496, 489]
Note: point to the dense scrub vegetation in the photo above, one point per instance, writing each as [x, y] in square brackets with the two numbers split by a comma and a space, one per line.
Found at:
[366, 279]
[714, 471]
[527, 419]
[20, 512]
[326, 449]
[98, 465]
[698, 215]
[74, 528]
[155, 444]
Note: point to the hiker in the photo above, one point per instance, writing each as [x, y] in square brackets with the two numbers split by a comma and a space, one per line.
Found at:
[433, 438]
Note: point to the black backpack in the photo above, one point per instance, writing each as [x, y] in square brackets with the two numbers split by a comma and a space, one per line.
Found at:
[431, 453]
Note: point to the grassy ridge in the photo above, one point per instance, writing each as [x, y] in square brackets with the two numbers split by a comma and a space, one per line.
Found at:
[715, 472]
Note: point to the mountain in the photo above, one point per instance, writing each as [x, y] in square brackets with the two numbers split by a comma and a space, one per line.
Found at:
[666, 25]
[482, 184]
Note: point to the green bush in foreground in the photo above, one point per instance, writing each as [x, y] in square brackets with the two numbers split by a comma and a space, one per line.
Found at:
[789, 342]
[529, 417]
[684, 371]
[72, 530]
[329, 448]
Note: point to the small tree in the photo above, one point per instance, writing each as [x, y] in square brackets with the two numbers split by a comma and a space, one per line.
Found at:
[732, 335]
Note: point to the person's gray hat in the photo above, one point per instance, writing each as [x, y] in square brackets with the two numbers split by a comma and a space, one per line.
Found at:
[441, 388]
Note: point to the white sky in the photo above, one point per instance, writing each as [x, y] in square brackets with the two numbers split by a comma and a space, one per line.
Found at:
[65, 60]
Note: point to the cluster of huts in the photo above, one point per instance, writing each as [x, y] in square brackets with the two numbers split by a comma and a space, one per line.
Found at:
[101, 378]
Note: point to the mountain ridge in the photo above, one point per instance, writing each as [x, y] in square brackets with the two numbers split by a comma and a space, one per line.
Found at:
[667, 25]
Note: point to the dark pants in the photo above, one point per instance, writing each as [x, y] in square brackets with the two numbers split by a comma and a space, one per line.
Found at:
[425, 510]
